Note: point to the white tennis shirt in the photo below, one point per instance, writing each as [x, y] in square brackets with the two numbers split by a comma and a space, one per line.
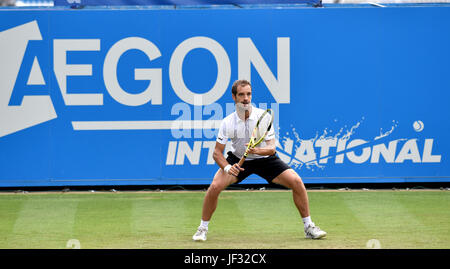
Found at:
[240, 131]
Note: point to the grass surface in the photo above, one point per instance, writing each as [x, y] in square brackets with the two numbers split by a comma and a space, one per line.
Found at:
[253, 220]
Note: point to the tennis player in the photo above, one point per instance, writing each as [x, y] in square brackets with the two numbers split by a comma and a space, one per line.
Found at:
[261, 160]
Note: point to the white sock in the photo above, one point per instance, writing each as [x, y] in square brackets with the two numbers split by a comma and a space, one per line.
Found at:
[204, 224]
[307, 221]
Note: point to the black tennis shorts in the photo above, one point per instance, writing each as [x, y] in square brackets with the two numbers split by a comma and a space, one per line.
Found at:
[267, 168]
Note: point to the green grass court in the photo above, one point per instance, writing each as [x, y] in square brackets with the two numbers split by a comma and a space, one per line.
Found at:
[418, 219]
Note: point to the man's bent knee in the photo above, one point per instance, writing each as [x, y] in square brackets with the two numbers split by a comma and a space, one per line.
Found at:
[215, 188]
[290, 179]
[221, 181]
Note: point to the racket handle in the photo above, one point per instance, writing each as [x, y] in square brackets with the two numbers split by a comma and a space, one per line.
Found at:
[241, 161]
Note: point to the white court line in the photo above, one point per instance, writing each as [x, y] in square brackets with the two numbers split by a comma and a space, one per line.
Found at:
[146, 125]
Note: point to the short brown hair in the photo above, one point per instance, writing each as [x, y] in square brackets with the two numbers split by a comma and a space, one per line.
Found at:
[240, 82]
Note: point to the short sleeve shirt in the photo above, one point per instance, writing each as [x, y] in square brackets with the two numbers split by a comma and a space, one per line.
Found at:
[239, 132]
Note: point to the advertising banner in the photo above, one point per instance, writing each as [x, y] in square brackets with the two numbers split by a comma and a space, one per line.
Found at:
[135, 96]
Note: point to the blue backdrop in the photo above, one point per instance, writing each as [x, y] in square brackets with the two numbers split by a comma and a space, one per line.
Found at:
[93, 97]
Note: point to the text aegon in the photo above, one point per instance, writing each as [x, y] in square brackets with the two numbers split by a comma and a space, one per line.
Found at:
[248, 56]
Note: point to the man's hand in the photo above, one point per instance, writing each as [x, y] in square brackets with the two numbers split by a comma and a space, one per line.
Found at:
[254, 150]
[234, 169]
[268, 150]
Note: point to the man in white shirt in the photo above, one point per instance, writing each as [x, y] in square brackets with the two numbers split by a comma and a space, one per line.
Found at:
[261, 160]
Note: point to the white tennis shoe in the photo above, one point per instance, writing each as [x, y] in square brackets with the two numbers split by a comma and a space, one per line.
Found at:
[314, 232]
[200, 235]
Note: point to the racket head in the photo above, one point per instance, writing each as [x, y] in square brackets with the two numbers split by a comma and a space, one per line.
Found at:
[262, 128]
[251, 144]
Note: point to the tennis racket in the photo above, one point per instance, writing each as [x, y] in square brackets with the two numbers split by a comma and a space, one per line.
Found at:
[262, 128]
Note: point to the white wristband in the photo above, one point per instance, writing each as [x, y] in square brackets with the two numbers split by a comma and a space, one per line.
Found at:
[227, 168]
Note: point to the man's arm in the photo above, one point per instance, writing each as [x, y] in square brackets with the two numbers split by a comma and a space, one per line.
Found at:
[218, 155]
[269, 149]
[223, 163]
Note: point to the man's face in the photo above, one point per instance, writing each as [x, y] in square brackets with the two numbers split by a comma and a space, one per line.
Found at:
[243, 96]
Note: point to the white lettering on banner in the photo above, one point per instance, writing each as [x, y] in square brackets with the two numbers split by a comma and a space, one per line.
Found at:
[15, 44]
[153, 91]
[300, 152]
[387, 153]
[176, 70]
[185, 151]
[352, 155]
[35, 77]
[34, 110]
[341, 147]
[37, 109]
[171, 153]
[409, 151]
[306, 155]
[249, 54]
[427, 157]
[63, 70]
[306, 151]
[178, 151]
[324, 145]
[279, 87]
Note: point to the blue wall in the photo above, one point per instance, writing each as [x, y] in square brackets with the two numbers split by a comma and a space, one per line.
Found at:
[87, 96]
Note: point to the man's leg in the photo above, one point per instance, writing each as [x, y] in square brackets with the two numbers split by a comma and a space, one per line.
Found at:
[220, 182]
[290, 179]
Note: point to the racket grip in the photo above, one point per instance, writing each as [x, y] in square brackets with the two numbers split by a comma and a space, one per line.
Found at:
[241, 161]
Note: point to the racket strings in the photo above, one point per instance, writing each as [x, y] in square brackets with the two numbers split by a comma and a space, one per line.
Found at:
[263, 126]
